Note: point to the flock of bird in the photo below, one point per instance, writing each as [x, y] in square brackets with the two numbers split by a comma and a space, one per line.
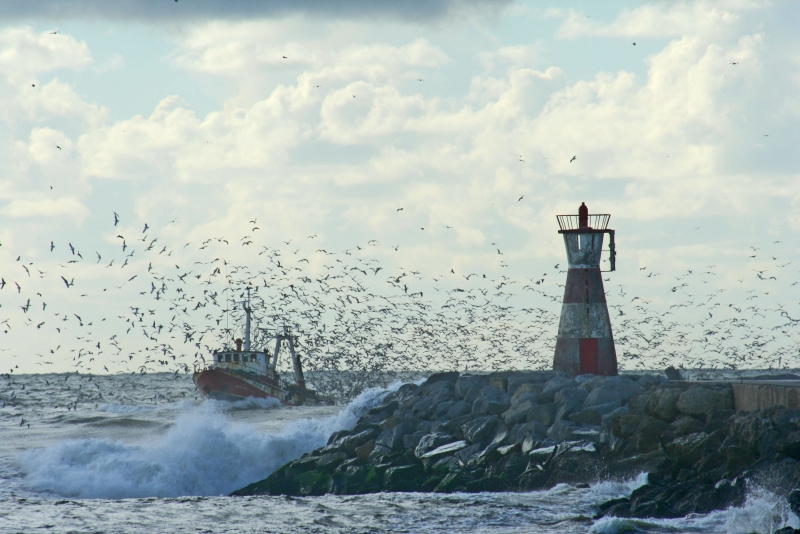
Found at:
[358, 321]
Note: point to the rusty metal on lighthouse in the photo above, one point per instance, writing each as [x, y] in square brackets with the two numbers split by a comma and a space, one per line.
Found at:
[585, 344]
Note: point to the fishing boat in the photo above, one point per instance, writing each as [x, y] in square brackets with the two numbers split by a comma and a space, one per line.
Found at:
[235, 374]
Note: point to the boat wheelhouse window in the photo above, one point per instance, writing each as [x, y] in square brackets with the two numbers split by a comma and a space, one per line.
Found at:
[227, 357]
[219, 357]
[236, 357]
[253, 358]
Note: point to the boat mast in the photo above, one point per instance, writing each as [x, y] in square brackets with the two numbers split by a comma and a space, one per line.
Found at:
[246, 306]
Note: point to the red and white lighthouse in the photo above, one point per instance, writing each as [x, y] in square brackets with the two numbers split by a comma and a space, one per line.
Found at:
[584, 344]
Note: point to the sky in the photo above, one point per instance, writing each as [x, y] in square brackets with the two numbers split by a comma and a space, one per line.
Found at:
[453, 130]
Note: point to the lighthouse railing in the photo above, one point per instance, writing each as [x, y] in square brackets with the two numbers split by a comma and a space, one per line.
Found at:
[598, 221]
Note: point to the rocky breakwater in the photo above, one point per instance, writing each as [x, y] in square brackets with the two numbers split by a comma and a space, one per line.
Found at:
[526, 431]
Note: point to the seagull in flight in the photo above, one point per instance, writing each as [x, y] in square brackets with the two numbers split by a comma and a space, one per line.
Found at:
[573, 159]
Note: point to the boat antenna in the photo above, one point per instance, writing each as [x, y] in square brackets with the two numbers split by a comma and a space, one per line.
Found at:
[246, 306]
[227, 305]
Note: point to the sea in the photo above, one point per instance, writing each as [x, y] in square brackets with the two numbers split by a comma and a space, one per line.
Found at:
[144, 453]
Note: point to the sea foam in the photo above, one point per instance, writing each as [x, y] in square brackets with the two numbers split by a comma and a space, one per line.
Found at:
[204, 453]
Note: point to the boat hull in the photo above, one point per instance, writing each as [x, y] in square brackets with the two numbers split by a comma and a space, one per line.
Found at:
[223, 385]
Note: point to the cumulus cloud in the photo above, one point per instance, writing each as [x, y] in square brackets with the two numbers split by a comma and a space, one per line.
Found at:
[663, 19]
[45, 208]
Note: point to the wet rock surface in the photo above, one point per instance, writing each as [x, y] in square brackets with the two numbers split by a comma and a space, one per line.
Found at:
[528, 431]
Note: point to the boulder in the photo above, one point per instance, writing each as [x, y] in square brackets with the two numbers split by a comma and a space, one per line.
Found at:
[424, 407]
[393, 438]
[558, 382]
[329, 462]
[446, 449]
[592, 415]
[686, 424]
[699, 400]
[663, 403]
[561, 430]
[625, 426]
[520, 432]
[491, 401]
[518, 413]
[403, 478]
[337, 435]
[686, 450]
[351, 442]
[755, 433]
[648, 434]
[570, 400]
[603, 395]
[516, 381]
[468, 386]
[543, 413]
[404, 392]
[480, 430]
[365, 450]
[459, 408]
[450, 376]
[500, 382]
[525, 389]
[410, 441]
[627, 388]
[432, 441]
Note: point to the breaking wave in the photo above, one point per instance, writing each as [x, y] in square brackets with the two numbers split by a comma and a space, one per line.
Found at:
[763, 513]
[204, 453]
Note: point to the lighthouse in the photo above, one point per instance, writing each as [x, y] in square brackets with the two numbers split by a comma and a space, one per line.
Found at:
[584, 344]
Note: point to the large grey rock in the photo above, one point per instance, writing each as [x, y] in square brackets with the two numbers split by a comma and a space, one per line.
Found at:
[535, 430]
[393, 438]
[328, 462]
[491, 401]
[756, 433]
[648, 434]
[432, 441]
[424, 407]
[698, 400]
[558, 382]
[410, 441]
[403, 478]
[403, 393]
[445, 450]
[480, 430]
[686, 424]
[468, 386]
[442, 409]
[570, 400]
[561, 430]
[518, 413]
[663, 403]
[351, 443]
[627, 387]
[592, 415]
[525, 389]
[459, 408]
[535, 378]
[543, 413]
[603, 395]
[447, 377]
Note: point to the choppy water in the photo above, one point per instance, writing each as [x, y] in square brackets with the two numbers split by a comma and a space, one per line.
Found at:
[144, 454]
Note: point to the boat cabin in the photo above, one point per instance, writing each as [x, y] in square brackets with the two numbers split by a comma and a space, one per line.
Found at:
[242, 360]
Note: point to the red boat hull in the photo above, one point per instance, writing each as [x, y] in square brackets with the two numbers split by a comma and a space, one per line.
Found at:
[222, 385]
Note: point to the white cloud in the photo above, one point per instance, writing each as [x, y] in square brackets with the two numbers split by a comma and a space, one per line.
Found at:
[665, 19]
[69, 207]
